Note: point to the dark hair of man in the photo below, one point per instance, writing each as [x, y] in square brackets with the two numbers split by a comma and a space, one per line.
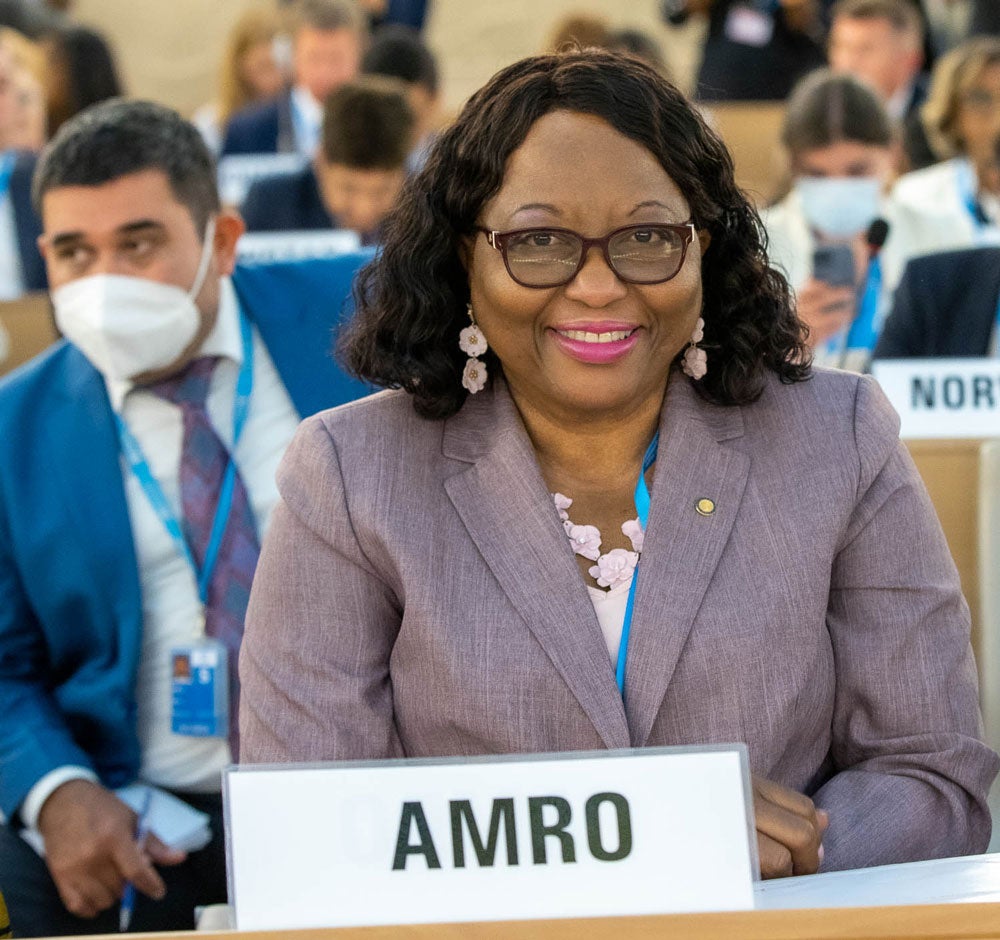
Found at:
[368, 124]
[117, 138]
[825, 108]
[901, 15]
[398, 52]
[328, 15]
[411, 300]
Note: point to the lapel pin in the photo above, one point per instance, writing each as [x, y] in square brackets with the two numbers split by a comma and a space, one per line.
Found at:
[704, 506]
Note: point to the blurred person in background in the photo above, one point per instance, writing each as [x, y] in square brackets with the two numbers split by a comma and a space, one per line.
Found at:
[946, 304]
[32, 18]
[22, 122]
[410, 13]
[81, 71]
[641, 45]
[584, 30]
[253, 71]
[357, 173]
[399, 52]
[328, 40]
[843, 153]
[985, 18]
[25, 124]
[882, 43]
[756, 50]
[962, 120]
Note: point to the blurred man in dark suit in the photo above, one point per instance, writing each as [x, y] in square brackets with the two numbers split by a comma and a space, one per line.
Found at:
[368, 133]
[882, 43]
[328, 40]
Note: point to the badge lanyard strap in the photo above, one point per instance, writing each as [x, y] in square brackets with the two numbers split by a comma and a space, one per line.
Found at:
[642, 511]
[6, 172]
[861, 334]
[154, 492]
[967, 195]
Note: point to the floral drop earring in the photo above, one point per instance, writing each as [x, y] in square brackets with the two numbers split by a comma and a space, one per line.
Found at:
[472, 342]
[695, 362]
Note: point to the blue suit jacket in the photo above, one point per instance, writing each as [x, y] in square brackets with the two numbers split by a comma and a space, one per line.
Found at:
[945, 305]
[263, 128]
[286, 204]
[70, 607]
[26, 222]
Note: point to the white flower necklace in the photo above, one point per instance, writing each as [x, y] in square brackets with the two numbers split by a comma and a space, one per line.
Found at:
[613, 568]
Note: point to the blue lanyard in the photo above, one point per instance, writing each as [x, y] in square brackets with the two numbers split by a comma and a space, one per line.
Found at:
[967, 195]
[6, 172]
[863, 331]
[154, 492]
[642, 511]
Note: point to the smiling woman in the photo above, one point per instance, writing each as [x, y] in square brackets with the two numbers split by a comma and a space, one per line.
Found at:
[601, 506]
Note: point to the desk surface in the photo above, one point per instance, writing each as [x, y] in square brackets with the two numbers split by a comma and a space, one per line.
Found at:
[934, 900]
[936, 922]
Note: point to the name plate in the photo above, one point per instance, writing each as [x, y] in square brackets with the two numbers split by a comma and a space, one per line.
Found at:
[651, 831]
[238, 172]
[268, 247]
[943, 398]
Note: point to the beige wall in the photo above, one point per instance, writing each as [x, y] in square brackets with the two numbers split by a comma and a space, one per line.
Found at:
[169, 49]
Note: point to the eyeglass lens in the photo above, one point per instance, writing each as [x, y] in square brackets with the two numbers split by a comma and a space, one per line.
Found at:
[647, 254]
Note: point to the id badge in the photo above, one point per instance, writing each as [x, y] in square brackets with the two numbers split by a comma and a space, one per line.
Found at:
[749, 26]
[200, 684]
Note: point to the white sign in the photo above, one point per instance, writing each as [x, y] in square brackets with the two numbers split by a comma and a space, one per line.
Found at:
[650, 831]
[263, 247]
[238, 172]
[952, 398]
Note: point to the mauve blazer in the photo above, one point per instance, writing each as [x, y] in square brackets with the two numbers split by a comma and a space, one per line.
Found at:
[416, 596]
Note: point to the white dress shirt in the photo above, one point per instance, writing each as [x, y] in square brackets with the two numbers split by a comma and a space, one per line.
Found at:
[307, 121]
[170, 604]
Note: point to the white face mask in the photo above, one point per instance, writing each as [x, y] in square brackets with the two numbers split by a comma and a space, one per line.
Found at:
[127, 325]
[839, 207]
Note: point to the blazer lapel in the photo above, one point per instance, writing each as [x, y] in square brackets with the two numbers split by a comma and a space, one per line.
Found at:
[504, 504]
[93, 495]
[682, 547]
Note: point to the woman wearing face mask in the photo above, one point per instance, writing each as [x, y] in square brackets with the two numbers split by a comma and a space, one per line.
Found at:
[962, 121]
[843, 150]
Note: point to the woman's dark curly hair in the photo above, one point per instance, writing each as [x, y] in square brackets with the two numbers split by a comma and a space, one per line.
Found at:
[411, 300]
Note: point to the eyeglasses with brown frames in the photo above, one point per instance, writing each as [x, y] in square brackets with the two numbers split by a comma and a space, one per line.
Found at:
[551, 257]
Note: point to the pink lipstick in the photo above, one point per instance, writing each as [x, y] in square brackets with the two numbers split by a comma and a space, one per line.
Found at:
[596, 343]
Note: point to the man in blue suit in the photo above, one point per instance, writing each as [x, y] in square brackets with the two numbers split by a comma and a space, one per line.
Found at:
[26, 227]
[169, 404]
[328, 40]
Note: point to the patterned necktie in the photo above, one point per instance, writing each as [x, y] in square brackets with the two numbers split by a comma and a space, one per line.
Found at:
[204, 459]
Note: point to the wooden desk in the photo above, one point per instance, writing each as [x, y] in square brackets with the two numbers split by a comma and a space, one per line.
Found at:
[26, 328]
[951, 473]
[934, 922]
[752, 132]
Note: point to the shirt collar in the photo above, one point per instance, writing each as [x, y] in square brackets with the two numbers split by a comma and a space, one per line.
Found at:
[307, 108]
[897, 103]
[223, 340]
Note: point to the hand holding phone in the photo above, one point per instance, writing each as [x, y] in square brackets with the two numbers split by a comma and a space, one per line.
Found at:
[834, 265]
